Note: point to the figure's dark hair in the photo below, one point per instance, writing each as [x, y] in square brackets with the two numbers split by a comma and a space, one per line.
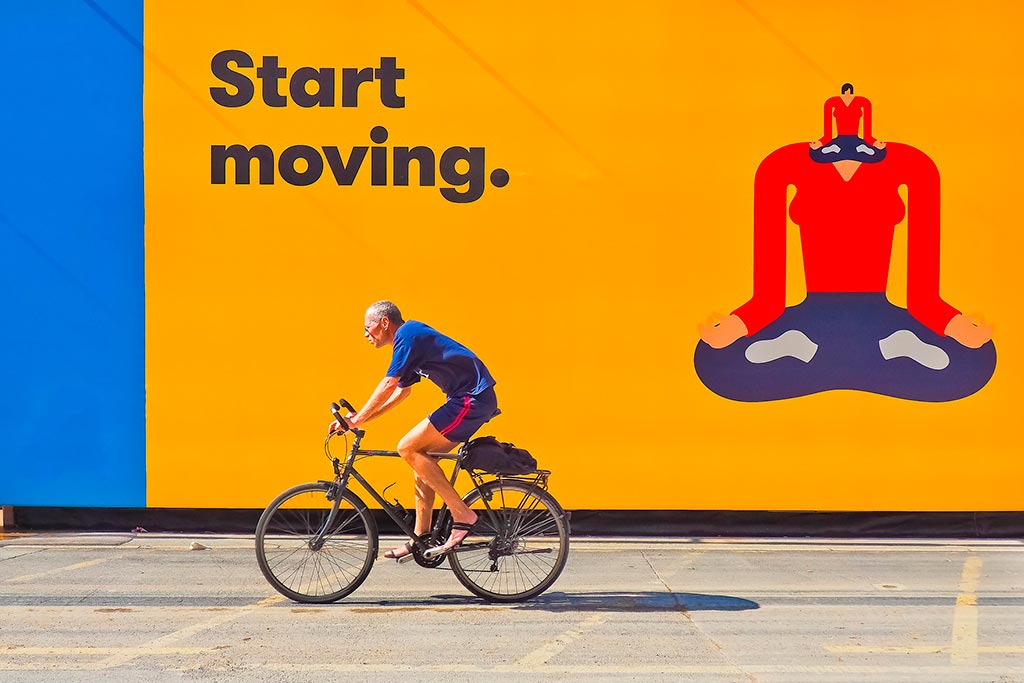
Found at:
[846, 86]
[386, 309]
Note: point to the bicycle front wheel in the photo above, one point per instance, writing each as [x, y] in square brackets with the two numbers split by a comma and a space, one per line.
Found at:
[306, 555]
[518, 546]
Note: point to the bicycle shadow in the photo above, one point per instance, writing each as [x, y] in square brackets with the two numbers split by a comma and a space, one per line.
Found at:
[638, 601]
[611, 601]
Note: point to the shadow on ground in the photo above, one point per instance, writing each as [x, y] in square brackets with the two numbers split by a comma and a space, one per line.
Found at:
[596, 601]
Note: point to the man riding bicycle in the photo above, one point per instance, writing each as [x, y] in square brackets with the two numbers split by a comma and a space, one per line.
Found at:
[421, 351]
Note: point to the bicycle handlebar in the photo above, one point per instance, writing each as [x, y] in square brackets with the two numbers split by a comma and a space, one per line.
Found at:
[336, 410]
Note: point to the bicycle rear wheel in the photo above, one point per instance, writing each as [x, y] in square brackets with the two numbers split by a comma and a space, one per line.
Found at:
[518, 546]
[305, 565]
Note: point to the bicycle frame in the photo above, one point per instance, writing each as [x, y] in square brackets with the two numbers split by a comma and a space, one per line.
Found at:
[343, 472]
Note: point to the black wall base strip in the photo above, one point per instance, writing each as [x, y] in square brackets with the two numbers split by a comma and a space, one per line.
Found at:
[648, 523]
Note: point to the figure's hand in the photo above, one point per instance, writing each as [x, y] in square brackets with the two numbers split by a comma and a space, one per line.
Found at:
[720, 332]
[878, 144]
[816, 144]
[970, 331]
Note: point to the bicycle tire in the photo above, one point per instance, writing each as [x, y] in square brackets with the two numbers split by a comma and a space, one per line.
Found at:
[305, 574]
[530, 527]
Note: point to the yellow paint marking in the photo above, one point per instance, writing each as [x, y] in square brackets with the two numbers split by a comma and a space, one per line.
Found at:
[964, 649]
[544, 653]
[965, 614]
[266, 602]
[81, 565]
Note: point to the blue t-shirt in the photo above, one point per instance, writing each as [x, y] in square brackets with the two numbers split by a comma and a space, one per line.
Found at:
[422, 351]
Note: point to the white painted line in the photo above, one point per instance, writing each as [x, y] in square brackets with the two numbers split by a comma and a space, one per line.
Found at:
[965, 614]
[889, 649]
[595, 545]
[17, 651]
[918, 649]
[598, 669]
[81, 565]
[912, 672]
[546, 652]
[775, 547]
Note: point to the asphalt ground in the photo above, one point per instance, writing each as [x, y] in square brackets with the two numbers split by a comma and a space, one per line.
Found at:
[109, 607]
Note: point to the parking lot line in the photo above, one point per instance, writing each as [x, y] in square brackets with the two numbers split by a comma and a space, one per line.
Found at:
[27, 578]
[550, 649]
[965, 614]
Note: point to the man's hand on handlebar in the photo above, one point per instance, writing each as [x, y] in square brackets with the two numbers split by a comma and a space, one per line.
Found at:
[339, 427]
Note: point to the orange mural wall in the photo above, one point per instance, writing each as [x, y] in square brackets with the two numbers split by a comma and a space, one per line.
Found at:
[629, 137]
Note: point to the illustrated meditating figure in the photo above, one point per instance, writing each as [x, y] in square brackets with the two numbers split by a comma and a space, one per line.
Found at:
[848, 111]
[846, 334]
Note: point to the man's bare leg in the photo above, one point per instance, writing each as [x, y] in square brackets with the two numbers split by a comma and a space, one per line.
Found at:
[414, 446]
[424, 506]
[430, 478]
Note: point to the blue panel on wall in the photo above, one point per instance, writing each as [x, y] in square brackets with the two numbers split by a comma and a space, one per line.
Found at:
[72, 318]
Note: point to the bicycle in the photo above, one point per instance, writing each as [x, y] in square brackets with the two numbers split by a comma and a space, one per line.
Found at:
[317, 542]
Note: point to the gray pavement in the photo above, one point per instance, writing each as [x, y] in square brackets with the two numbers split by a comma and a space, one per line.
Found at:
[108, 607]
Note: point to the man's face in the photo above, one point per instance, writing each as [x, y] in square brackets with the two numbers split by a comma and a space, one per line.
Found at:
[377, 330]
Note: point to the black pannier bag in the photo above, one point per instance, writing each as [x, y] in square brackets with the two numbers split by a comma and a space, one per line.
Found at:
[497, 457]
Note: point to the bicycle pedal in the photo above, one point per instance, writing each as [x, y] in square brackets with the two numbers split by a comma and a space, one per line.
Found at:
[406, 558]
[431, 553]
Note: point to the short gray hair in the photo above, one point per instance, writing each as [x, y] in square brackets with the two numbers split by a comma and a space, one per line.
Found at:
[386, 309]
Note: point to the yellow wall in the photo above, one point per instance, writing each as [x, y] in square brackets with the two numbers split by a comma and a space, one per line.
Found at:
[631, 134]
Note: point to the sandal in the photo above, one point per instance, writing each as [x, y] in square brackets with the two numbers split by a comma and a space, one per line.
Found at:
[460, 530]
[400, 554]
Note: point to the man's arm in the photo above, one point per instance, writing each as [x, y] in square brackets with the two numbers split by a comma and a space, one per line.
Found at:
[396, 397]
[387, 395]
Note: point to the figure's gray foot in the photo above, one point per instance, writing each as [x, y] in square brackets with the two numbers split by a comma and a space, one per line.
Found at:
[906, 344]
[864, 149]
[831, 149]
[792, 343]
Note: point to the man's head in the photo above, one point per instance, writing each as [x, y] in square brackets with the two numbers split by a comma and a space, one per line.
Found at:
[381, 322]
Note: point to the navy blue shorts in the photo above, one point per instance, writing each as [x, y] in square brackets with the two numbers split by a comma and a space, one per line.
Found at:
[460, 417]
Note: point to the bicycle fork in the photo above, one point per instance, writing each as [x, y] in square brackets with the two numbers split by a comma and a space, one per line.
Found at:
[333, 495]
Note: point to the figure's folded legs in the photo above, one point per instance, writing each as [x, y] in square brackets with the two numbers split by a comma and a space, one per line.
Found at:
[847, 148]
[855, 341]
[781, 361]
[923, 366]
